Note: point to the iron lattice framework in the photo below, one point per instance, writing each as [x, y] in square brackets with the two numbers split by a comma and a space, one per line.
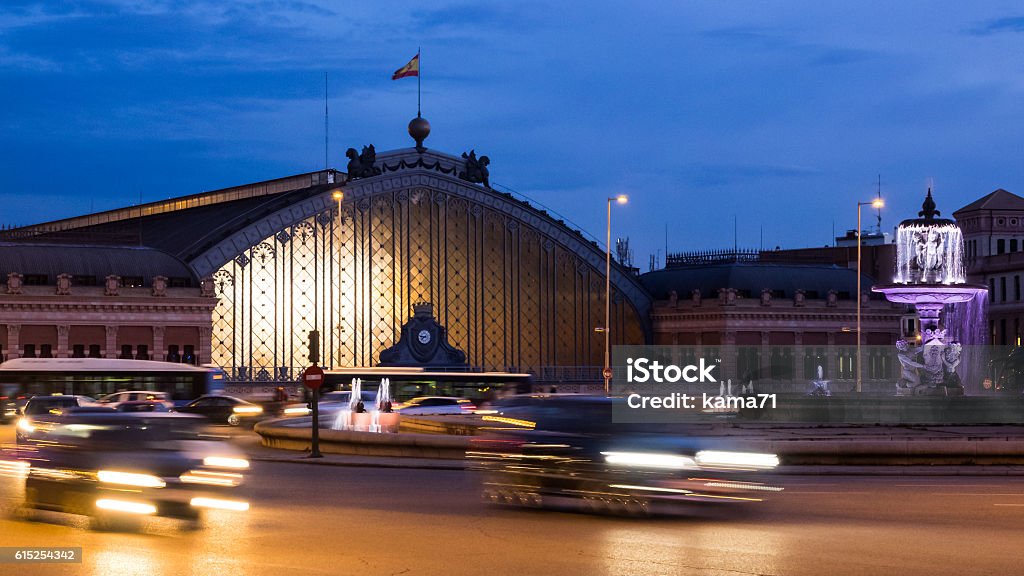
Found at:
[513, 294]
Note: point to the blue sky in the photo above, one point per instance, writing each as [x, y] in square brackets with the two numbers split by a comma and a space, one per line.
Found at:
[780, 113]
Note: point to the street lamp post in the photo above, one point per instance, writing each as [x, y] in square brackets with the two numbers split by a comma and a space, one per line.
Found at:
[876, 203]
[339, 196]
[621, 199]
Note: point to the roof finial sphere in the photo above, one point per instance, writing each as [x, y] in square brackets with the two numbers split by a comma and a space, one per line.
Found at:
[419, 129]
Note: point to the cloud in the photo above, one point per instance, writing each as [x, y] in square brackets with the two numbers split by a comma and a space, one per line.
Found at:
[1008, 24]
[713, 175]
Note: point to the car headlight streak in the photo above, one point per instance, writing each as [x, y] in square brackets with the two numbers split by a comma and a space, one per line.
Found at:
[649, 460]
[130, 479]
[723, 459]
[226, 462]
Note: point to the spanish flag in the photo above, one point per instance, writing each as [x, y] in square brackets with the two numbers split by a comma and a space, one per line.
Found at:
[410, 69]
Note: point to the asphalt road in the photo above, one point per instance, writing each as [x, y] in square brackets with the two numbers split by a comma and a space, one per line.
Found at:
[314, 519]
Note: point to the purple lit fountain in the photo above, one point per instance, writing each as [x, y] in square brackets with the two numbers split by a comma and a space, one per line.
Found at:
[930, 275]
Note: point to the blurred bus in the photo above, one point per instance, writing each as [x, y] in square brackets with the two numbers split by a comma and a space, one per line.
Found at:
[25, 377]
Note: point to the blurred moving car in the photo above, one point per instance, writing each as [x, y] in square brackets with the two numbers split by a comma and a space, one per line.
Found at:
[436, 405]
[8, 409]
[226, 409]
[565, 451]
[142, 406]
[118, 466]
[340, 399]
[116, 398]
[38, 406]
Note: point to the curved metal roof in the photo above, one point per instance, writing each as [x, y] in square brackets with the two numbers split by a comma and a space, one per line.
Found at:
[753, 277]
[89, 260]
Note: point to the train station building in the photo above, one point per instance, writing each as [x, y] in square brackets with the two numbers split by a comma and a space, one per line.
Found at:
[249, 271]
[239, 277]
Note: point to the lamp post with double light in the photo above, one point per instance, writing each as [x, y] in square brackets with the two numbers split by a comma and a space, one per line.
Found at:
[877, 203]
[606, 373]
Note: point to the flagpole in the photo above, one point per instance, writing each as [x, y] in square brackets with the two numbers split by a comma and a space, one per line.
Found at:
[419, 74]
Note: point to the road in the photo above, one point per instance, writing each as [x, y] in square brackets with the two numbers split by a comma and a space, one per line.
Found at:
[314, 519]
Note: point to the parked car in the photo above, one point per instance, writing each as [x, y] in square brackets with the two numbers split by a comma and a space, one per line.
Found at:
[137, 396]
[225, 409]
[436, 405]
[116, 467]
[38, 406]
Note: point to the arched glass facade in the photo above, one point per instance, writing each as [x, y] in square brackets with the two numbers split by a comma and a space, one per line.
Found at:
[515, 289]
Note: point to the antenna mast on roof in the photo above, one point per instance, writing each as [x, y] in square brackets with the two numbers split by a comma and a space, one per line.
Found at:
[326, 125]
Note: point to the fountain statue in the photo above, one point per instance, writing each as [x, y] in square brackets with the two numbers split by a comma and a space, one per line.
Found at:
[819, 386]
[930, 276]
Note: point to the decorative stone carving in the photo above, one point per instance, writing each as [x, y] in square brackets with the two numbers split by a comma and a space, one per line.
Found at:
[726, 296]
[63, 284]
[673, 299]
[766, 297]
[423, 342]
[799, 298]
[476, 169]
[833, 299]
[160, 286]
[695, 297]
[15, 281]
[207, 288]
[112, 285]
[63, 330]
[360, 165]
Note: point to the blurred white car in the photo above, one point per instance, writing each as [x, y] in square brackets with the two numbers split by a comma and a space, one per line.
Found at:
[436, 405]
[116, 398]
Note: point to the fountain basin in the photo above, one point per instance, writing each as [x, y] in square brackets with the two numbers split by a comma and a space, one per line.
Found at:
[935, 294]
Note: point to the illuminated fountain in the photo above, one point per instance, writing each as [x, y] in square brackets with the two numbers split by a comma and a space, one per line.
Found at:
[930, 276]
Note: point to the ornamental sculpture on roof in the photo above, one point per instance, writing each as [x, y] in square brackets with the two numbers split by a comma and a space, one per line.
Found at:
[360, 165]
[476, 169]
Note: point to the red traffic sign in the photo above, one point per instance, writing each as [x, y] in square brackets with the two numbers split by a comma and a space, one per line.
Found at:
[607, 373]
[313, 377]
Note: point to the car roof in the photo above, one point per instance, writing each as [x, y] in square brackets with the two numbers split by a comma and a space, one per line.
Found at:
[59, 397]
[113, 416]
[235, 398]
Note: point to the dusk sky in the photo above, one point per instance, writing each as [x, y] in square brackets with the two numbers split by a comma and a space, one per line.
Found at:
[780, 113]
